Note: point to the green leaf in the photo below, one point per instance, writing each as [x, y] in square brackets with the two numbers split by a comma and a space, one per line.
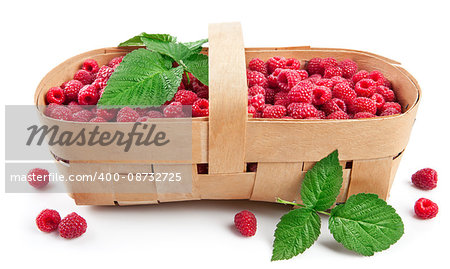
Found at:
[144, 78]
[196, 45]
[322, 183]
[296, 232]
[197, 64]
[176, 51]
[137, 40]
[365, 224]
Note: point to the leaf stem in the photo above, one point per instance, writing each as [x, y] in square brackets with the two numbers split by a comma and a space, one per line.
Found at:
[279, 200]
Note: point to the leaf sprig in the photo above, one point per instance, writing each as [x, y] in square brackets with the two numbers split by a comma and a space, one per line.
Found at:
[364, 223]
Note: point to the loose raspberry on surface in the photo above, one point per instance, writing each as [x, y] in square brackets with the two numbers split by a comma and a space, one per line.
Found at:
[173, 110]
[365, 87]
[48, 220]
[38, 177]
[200, 108]
[320, 95]
[84, 77]
[127, 114]
[425, 179]
[259, 65]
[425, 208]
[55, 95]
[72, 226]
[88, 95]
[287, 79]
[293, 64]
[274, 63]
[275, 112]
[349, 68]
[185, 97]
[90, 65]
[245, 222]
[61, 113]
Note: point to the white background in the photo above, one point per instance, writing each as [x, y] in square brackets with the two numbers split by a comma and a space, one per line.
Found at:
[38, 35]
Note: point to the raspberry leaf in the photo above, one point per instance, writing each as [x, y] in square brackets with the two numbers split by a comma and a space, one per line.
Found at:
[144, 78]
[176, 51]
[296, 231]
[322, 183]
[365, 224]
[196, 45]
[137, 40]
[197, 64]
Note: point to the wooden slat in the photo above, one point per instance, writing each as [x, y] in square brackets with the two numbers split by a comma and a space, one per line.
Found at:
[226, 186]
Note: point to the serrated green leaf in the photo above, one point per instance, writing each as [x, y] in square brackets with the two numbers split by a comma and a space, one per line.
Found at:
[322, 183]
[176, 51]
[365, 224]
[196, 46]
[142, 79]
[296, 231]
[197, 64]
[137, 40]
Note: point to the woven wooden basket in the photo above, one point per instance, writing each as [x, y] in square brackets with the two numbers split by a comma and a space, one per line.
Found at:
[370, 150]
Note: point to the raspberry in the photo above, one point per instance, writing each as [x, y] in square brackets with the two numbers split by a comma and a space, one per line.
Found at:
[314, 66]
[142, 111]
[63, 85]
[314, 78]
[153, 114]
[200, 108]
[320, 95]
[203, 94]
[378, 77]
[72, 89]
[365, 87]
[72, 226]
[395, 106]
[328, 62]
[107, 114]
[425, 208]
[363, 115]
[115, 61]
[332, 71]
[256, 78]
[50, 108]
[379, 100]
[48, 220]
[74, 107]
[127, 114]
[104, 73]
[321, 114]
[344, 92]
[349, 68]
[98, 119]
[99, 83]
[301, 93]
[61, 113]
[38, 177]
[252, 91]
[185, 97]
[303, 74]
[338, 115]
[388, 94]
[269, 97]
[272, 80]
[334, 105]
[251, 109]
[257, 101]
[302, 111]
[90, 65]
[425, 179]
[389, 112]
[173, 110]
[293, 64]
[55, 95]
[387, 83]
[336, 80]
[327, 82]
[275, 112]
[363, 104]
[259, 65]
[88, 95]
[288, 79]
[274, 63]
[83, 116]
[84, 77]
[362, 74]
[142, 119]
[281, 96]
[245, 222]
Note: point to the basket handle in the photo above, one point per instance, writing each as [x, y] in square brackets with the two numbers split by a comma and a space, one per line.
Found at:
[227, 99]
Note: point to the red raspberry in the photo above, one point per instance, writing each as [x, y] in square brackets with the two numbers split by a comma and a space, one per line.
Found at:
[90, 65]
[365, 87]
[327, 82]
[203, 94]
[269, 97]
[72, 226]
[245, 222]
[378, 77]
[115, 61]
[252, 91]
[349, 68]
[48, 220]
[336, 80]
[104, 73]
[321, 115]
[142, 119]
[88, 95]
[288, 79]
[200, 108]
[388, 94]
[50, 108]
[99, 83]
[173, 110]
[257, 64]
[363, 104]
[185, 97]
[127, 114]
[302, 111]
[83, 116]
[379, 100]
[363, 115]
[293, 64]
[257, 101]
[320, 95]
[394, 105]
[72, 89]
[63, 85]
[84, 77]
[274, 63]
[142, 111]
[272, 80]
[314, 66]
[333, 71]
[338, 115]
[344, 92]
[303, 74]
[38, 177]
[251, 109]
[55, 95]
[275, 112]
[61, 113]
[362, 74]
[389, 112]
[425, 208]
[98, 119]
[334, 105]
[301, 93]
[425, 179]
[314, 78]
[74, 107]
[153, 114]
[256, 78]
[328, 62]
[107, 114]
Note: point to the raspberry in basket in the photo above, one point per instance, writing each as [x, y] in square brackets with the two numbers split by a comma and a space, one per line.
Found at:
[256, 78]
[38, 177]
[185, 97]
[173, 110]
[379, 100]
[365, 87]
[153, 114]
[287, 79]
[328, 62]
[425, 208]
[334, 105]
[245, 222]
[349, 68]
[257, 101]
[55, 95]
[84, 77]
[200, 108]
[272, 80]
[72, 89]
[48, 220]
[83, 116]
[314, 66]
[88, 95]
[425, 179]
[302, 111]
[252, 91]
[91, 66]
[72, 226]
[344, 92]
[378, 77]
[293, 64]
[363, 104]
[259, 65]
[104, 73]
[107, 114]
[320, 95]
[61, 113]
[274, 112]
[301, 93]
[388, 94]
[338, 115]
[391, 105]
[363, 115]
[274, 63]
[127, 114]
[269, 96]
[333, 71]
[362, 74]
[115, 61]
[98, 119]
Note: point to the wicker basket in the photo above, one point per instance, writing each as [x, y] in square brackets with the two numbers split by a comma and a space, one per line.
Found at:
[370, 149]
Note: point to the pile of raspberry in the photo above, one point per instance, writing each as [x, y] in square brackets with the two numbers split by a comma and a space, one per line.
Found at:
[76, 99]
[325, 89]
